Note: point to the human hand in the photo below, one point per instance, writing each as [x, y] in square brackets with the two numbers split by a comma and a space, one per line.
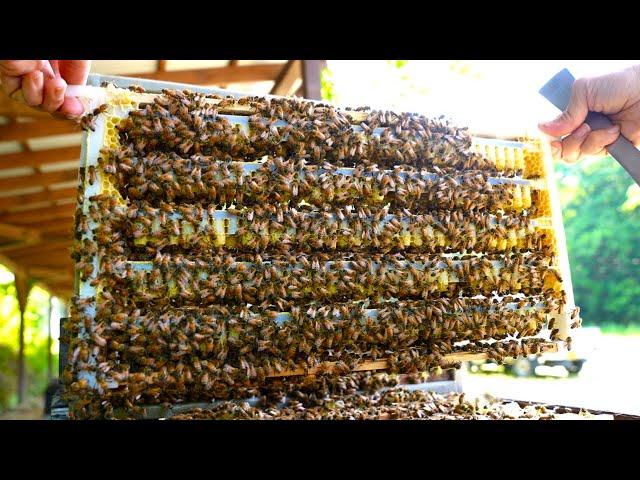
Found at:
[42, 84]
[617, 95]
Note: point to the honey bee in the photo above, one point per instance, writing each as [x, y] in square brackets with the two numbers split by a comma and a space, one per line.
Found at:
[87, 122]
[92, 174]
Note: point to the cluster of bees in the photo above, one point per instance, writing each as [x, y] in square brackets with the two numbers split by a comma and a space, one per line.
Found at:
[389, 404]
[186, 124]
[388, 241]
[282, 229]
[285, 281]
[197, 179]
[141, 229]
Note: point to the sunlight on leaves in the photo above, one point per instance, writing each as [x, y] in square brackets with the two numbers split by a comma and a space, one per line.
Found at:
[327, 86]
[633, 198]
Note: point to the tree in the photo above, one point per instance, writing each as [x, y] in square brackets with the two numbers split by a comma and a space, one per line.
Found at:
[603, 238]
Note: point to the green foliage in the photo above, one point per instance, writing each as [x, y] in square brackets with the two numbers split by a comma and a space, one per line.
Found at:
[327, 87]
[8, 374]
[617, 329]
[35, 339]
[603, 241]
[633, 198]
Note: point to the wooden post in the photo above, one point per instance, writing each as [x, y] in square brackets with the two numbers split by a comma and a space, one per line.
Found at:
[49, 356]
[22, 291]
[311, 78]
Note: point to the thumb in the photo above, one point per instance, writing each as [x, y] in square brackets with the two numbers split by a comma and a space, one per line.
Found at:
[573, 116]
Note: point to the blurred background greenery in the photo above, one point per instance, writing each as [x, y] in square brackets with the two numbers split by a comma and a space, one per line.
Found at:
[601, 210]
[35, 339]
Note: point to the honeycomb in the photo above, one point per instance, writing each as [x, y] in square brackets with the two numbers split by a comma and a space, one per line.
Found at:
[229, 243]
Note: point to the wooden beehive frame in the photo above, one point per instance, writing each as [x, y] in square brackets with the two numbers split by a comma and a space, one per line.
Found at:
[500, 150]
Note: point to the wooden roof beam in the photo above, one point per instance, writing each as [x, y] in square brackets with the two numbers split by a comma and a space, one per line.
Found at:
[25, 199]
[39, 157]
[14, 232]
[47, 259]
[39, 214]
[11, 264]
[37, 179]
[43, 246]
[53, 274]
[60, 226]
[289, 79]
[214, 76]
[37, 128]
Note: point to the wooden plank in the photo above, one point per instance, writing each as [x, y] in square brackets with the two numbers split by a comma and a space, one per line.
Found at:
[58, 286]
[231, 63]
[58, 226]
[53, 274]
[33, 198]
[11, 108]
[59, 289]
[18, 233]
[39, 214]
[43, 246]
[562, 253]
[311, 78]
[11, 264]
[289, 78]
[55, 260]
[382, 364]
[38, 128]
[39, 157]
[15, 243]
[37, 179]
[214, 76]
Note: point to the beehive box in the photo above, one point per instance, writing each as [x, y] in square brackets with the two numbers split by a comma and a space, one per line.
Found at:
[451, 253]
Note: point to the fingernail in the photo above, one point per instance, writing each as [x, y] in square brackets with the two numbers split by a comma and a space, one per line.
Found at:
[555, 151]
[582, 131]
[613, 130]
[59, 91]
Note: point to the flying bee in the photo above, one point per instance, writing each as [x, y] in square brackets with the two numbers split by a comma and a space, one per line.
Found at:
[567, 343]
